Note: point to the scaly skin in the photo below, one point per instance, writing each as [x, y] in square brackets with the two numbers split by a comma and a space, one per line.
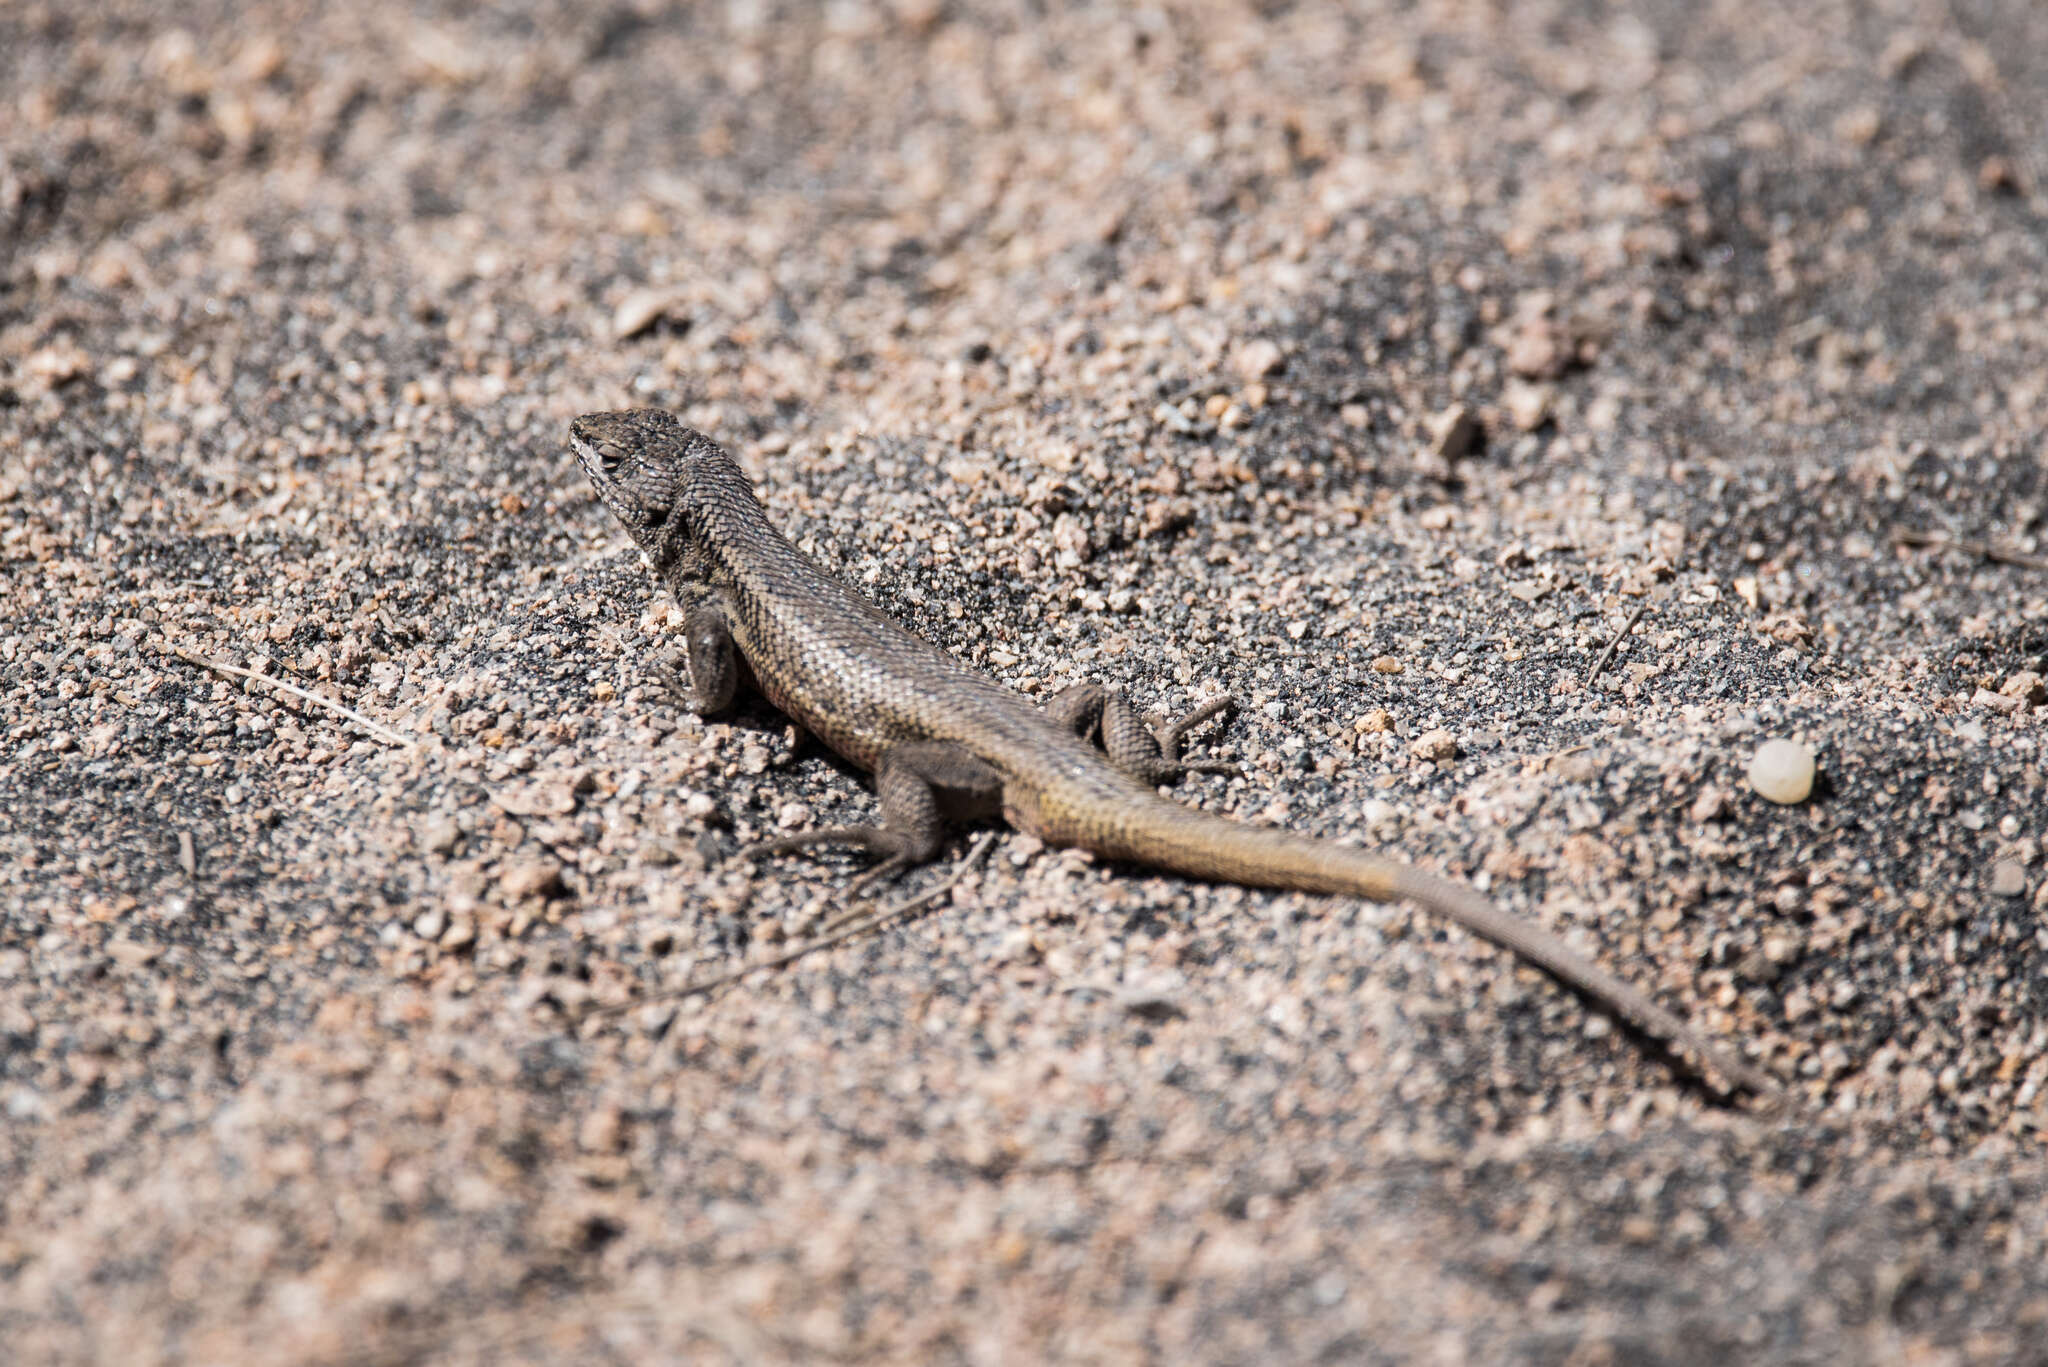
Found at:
[943, 739]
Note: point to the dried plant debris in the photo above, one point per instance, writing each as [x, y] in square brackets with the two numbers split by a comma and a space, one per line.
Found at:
[1372, 369]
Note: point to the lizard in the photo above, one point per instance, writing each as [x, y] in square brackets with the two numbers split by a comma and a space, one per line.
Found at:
[944, 741]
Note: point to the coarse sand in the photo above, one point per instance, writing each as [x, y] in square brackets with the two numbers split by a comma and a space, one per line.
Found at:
[1380, 366]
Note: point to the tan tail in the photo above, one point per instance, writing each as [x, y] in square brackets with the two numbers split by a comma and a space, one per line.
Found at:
[1169, 836]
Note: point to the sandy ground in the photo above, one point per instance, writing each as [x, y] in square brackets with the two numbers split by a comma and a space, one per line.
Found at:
[1375, 367]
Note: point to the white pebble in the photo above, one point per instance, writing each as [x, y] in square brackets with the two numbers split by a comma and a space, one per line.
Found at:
[642, 309]
[1782, 772]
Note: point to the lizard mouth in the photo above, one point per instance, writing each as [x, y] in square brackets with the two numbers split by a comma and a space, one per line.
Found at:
[593, 457]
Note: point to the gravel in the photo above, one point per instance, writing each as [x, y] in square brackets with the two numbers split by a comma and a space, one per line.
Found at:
[1377, 370]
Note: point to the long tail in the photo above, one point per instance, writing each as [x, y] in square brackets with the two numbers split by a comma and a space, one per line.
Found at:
[1168, 836]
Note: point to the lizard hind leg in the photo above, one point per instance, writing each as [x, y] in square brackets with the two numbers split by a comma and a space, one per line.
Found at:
[1148, 752]
[1171, 734]
[919, 784]
[1078, 707]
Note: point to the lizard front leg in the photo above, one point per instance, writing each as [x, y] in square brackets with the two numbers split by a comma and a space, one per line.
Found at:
[919, 784]
[708, 673]
[1150, 752]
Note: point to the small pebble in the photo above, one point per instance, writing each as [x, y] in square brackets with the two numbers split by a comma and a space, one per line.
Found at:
[1453, 433]
[1998, 702]
[2027, 686]
[642, 309]
[1434, 745]
[1257, 358]
[602, 1130]
[2008, 878]
[135, 954]
[1782, 772]
[1019, 946]
[1782, 949]
[540, 878]
[438, 834]
[1527, 405]
[1153, 997]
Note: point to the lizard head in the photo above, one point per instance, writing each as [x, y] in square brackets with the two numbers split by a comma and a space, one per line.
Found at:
[641, 461]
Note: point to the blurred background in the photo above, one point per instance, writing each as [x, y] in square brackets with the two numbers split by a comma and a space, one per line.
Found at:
[1193, 347]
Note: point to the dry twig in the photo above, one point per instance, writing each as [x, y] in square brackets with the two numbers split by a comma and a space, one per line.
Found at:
[1615, 644]
[377, 729]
